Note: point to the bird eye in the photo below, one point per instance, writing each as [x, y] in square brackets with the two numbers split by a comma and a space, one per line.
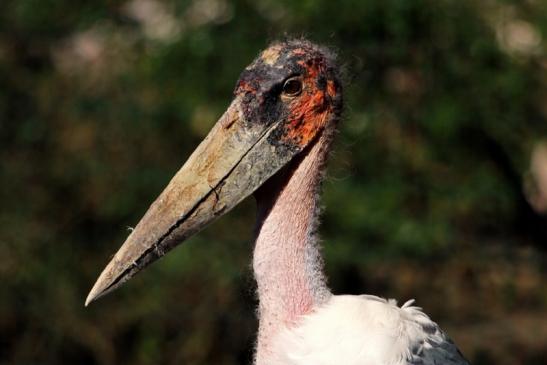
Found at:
[292, 87]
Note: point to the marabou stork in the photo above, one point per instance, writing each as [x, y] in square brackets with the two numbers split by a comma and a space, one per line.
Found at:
[273, 142]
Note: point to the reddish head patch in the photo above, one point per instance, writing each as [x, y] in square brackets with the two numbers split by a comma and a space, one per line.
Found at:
[310, 111]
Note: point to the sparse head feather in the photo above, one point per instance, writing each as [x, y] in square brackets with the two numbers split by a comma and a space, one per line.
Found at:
[295, 81]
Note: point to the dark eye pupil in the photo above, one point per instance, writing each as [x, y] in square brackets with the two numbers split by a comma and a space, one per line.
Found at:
[292, 87]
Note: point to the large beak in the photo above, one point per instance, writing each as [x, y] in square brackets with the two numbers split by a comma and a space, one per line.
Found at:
[235, 158]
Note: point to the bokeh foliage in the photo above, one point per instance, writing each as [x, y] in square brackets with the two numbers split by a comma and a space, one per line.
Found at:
[101, 101]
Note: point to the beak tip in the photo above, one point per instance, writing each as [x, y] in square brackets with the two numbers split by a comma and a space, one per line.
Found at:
[107, 282]
[91, 297]
[95, 293]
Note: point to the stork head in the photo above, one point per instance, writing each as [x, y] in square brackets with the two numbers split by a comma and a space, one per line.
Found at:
[283, 101]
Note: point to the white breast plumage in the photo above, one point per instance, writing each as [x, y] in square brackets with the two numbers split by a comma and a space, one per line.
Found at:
[365, 330]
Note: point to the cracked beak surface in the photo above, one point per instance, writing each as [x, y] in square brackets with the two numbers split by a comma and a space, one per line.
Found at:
[235, 158]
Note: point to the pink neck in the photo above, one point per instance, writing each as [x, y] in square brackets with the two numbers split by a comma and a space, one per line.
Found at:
[287, 262]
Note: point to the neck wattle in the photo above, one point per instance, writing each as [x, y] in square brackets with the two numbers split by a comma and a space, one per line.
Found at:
[287, 263]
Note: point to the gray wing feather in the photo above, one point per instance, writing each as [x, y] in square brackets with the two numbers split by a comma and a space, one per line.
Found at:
[432, 346]
[437, 349]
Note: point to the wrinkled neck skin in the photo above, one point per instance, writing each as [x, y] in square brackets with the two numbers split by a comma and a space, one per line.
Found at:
[287, 263]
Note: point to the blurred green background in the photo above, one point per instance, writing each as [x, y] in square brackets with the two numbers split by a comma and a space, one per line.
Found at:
[437, 189]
